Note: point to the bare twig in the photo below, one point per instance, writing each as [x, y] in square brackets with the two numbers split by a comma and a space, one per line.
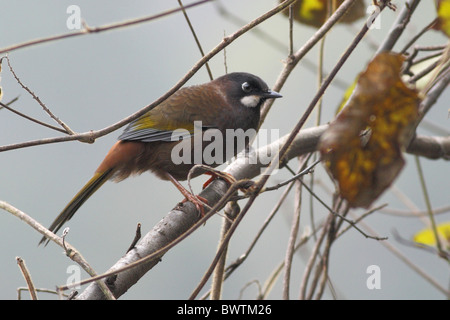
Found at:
[414, 214]
[295, 225]
[20, 289]
[408, 262]
[312, 259]
[74, 254]
[35, 97]
[418, 35]
[429, 208]
[88, 30]
[398, 26]
[137, 236]
[275, 43]
[231, 211]
[234, 265]
[27, 276]
[195, 38]
[32, 119]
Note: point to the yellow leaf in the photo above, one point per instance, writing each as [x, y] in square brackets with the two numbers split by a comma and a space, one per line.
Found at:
[315, 12]
[443, 12]
[346, 96]
[426, 236]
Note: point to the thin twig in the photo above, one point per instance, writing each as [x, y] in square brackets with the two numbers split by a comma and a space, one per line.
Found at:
[408, 262]
[74, 254]
[295, 225]
[231, 211]
[195, 38]
[429, 208]
[241, 259]
[32, 119]
[361, 217]
[352, 223]
[233, 266]
[414, 214]
[321, 275]
[398, 26]
[35, 97]
[137, 236]
[418, 245]
[291, 30]
[275, 43]
[418, 35]
[20, 289]
[322, 267]
[312, 259]
[26, 274]
[423, 72]
[88, 30]
[305, 171]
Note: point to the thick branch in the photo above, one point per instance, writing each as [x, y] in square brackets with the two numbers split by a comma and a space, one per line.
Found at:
[179, 220]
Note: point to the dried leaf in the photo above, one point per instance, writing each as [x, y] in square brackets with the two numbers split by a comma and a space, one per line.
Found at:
[315, 12]
[362, 148]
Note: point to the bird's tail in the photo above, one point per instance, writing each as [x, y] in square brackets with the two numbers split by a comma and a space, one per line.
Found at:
[89, 188]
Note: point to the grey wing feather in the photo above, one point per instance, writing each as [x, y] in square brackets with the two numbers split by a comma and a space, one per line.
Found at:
[152, 135]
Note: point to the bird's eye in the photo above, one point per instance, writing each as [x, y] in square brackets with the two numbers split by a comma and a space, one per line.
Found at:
[246, 87]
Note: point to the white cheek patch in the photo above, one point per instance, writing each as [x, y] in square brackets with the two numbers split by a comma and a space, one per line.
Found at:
[250, 101]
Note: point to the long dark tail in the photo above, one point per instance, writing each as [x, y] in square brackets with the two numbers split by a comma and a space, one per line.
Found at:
[88, 190]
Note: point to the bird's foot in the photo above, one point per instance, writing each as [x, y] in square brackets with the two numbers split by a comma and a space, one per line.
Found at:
[199, 202]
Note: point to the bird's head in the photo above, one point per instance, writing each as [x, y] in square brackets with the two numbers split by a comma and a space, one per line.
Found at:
[245, 89]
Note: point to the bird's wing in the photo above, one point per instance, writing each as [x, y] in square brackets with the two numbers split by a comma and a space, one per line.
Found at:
[178, 117]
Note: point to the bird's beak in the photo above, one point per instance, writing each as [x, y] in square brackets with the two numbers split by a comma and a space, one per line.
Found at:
[269, 94]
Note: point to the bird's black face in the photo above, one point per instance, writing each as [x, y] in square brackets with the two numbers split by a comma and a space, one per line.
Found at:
[247, 89]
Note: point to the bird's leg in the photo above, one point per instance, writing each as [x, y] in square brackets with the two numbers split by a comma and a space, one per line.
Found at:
[245, 187]
[196, 200]
[219, 174]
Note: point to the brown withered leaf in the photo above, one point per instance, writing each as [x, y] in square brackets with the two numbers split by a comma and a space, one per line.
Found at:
[315, 12]
[362, 148]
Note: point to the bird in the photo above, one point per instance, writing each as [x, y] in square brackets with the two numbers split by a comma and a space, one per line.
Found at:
[167, 139]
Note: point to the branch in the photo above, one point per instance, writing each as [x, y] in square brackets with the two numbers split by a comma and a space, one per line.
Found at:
[72, 253]
[399, 26]
[179, 221]
[88, 30]
[35, 97]
[92, 135]
[27, 276]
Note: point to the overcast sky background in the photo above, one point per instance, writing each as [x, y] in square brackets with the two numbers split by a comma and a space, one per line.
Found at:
[95, 80]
